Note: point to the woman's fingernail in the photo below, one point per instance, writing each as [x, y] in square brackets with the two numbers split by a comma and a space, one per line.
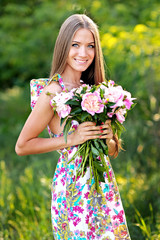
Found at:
[100, 136]
[101, 127]
[101, 131]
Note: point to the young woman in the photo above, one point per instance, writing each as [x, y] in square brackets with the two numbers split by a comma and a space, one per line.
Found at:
[86, 214]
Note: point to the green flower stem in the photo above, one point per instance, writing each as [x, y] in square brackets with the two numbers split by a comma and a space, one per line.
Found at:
[83, 151]
[85, 158]
[90, 166]
[79, 150]
[105, 166]
[95, 176]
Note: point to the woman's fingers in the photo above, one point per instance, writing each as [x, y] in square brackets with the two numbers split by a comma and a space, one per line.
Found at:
[107, 130]
[89, 130]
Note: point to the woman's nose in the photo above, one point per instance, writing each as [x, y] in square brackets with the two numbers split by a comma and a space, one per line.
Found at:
[82, 51]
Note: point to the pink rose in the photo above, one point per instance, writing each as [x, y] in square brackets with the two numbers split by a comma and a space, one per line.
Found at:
[128, 99]
[110, 83]
[128, 103]
[92, 103]
[63, 110]
[110, 114]
[58, 103]
[120, 115]
[115, 94]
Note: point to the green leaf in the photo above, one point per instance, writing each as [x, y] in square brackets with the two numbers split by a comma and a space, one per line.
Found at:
[102, 117]
[73, 102]
[93, 89]
[84, 115]
[75, 111]
[110, 104]
[94, 150]
[98, 166]
[100, 176]
[66, 128]
[101, 93]
[101, 142]
[132, 106]
[104, 146]
[63, 120]
[95, 141]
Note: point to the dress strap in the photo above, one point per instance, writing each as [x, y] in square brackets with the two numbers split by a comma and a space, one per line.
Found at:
[37, 86]
[57, 78]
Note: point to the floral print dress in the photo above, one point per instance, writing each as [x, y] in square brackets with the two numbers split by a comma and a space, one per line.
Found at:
[82, 214]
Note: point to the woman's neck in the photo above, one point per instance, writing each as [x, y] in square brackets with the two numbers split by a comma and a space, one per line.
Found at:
[71, 78]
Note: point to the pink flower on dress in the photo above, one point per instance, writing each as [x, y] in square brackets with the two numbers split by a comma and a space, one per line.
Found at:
[64, 225]
[62, 181]
[56, 211]
[109, 196]
[86, 195]
[90, 234]
[93, 229]
[117, 203]
[75, 223]
[91, 213]
[33, 103]
[115, 224]
[77, 232]
[62, 170]
[92, 103]
[110, 174]
[87, 219]
[107, 211]
[78, 209]
[119, 216]
[71, 214]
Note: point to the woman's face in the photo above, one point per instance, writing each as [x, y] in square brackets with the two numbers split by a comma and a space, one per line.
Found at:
[82, 51]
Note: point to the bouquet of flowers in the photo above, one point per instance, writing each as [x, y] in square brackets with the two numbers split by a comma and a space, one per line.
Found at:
[96, 104]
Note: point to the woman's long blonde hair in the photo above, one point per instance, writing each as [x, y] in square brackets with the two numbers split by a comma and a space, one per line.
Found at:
[95, 72]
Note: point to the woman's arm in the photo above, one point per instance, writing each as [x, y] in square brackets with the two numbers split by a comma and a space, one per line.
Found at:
[28, 141]
[42, 114]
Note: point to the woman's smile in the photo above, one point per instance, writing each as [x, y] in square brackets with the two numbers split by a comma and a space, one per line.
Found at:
[80, 61]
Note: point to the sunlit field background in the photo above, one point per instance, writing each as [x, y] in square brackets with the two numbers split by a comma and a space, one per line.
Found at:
[130, 39]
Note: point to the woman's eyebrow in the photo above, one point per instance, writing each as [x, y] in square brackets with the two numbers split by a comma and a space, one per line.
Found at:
[80, 42]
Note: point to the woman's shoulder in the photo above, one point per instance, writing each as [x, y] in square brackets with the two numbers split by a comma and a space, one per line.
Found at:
[42, 89]
[53, 87]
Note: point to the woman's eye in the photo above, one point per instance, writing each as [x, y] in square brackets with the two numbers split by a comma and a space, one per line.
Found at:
[74, 45]
[91, 46]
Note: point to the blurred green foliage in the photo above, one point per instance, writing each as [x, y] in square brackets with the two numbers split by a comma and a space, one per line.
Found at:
[130, 39]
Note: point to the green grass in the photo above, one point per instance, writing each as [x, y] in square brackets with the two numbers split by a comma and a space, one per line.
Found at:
[25, 182]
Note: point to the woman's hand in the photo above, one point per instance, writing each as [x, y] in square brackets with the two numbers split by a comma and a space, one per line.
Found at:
[89, 130]
[86, 131]
[107, 131]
